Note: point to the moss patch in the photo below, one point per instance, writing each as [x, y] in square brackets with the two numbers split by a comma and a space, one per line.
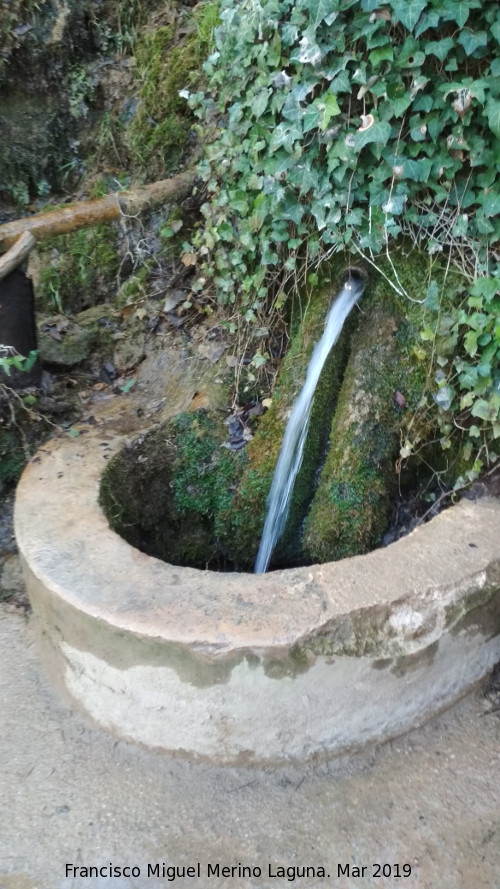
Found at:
[167, 63]
[164, 492]
[34, 139]
[78, 269]
[350, 510]
[244, 521]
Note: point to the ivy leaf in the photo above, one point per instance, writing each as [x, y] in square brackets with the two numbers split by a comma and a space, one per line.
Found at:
[493, 115]
[30, 360]
[480, 409]
[440, 48]
[470, 342]
[289, 34]
[491, 204]
[290, 208]
[408, 12]
[260, 211]
[238, 202]
[495, 30]
[431, 301]
[311, 118]
[459, 12]
[322, 11]
[487, 287]
[379, 132]
[331, 110]
[284, 135]
[381, 54]
[259, 103]
[318, 210]
[307, 52]
[304, 178]
[18, 361]
[472, 40]
[444, 397]
[400, 104]
[429, 20]
[274, 50]
[395, 204]
[292, 109]
[341, 83]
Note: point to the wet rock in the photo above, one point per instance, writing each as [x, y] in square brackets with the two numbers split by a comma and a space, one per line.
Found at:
[350, 510]
[130, 351]
[64, 343]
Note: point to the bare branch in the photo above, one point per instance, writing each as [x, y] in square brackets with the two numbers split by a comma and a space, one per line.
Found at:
[86, 214]
[17, 254]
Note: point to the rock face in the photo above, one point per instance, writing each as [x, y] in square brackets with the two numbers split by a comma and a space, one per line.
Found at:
[349, 512]
[64, 343]
[40, 88]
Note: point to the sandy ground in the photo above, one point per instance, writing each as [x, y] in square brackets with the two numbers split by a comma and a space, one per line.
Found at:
[73, 795]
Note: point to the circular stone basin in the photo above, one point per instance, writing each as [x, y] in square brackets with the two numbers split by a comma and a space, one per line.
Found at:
[250, 668]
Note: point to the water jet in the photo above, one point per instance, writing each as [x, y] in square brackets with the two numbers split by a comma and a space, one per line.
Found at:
[292, 448]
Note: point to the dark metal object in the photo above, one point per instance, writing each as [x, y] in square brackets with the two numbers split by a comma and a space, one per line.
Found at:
[17, 327]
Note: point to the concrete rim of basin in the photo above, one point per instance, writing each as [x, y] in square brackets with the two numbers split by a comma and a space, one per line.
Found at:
[251, 668]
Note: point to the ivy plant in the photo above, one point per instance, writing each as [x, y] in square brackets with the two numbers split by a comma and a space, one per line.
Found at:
[344, 125]
[9, 359]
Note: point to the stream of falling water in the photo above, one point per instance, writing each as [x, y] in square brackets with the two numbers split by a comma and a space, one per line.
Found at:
[292, 447]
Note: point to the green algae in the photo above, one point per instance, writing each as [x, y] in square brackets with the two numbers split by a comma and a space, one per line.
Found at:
[163, 492]
[350, 510]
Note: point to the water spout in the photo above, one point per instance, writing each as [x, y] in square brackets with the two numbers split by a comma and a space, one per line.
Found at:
[292, 447]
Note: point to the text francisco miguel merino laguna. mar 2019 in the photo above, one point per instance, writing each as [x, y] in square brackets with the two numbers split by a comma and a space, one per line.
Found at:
[290, 873]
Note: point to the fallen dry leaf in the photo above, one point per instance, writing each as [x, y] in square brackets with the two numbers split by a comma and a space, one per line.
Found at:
[188, 259]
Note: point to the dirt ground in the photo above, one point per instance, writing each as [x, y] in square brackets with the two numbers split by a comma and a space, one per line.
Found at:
[72, 795]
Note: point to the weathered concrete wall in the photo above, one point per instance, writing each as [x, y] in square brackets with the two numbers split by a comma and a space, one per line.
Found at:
[239, 667]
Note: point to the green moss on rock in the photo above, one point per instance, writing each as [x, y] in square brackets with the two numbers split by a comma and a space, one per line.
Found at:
[78, 270]
[242, 523]
[73, 345]
[157, 137]
[164, 492]
[350, 510]
[43, 83]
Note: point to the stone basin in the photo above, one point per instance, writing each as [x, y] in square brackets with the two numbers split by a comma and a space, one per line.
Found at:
[236, 667]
